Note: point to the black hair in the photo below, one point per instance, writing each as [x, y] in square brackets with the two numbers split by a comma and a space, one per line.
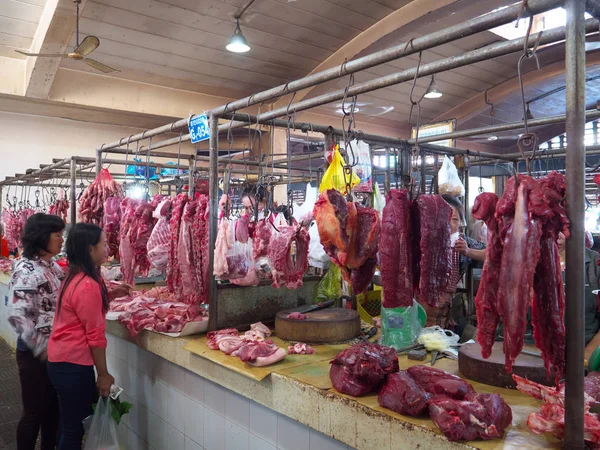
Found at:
[37, 231]
[255, 193]
[457, 205]
[81, 237]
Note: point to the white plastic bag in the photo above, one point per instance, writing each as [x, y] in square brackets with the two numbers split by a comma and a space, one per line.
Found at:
[304, 213]
[102, 434]
[316, 253]
[378, 199]
[448, 179]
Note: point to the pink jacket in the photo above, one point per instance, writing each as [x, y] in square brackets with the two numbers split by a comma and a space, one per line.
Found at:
[79, 325]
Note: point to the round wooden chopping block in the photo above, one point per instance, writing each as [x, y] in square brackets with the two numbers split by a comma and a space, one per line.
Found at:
[321, 327]
[491, 371]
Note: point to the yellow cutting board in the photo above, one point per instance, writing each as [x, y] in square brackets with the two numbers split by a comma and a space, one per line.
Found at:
[315, 374]
[323, 353]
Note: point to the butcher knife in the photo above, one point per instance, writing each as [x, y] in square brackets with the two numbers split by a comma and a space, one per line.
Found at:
[308, 308]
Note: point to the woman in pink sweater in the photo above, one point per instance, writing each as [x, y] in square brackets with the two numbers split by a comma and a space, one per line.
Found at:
[78, 341]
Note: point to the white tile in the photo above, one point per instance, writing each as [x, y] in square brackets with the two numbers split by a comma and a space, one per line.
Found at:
[147, 361]
[194, 386]
[258, 444]
[191, 445]
[121, 348]
[194, 420]
[320, 441]
[122, 433]
[176, 439]
[144, 390]
[214, 431]
[263, 423]
[127, 417]
[236, 438]
[139, 421]
[170, 374]
[237, 409]
[133, 378]
[133, 356]
[111, 363]
[110, 344]
[157, 432]
[175, 408]
[160, 394]
[134, 442]
[292, 435]
[214, 397]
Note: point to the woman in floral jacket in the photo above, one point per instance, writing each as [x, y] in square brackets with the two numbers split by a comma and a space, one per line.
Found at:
[33, 293]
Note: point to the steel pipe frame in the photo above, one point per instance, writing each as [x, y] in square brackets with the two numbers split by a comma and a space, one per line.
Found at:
[575, 266]
[449, 34]
[37, 172]
[488, 52]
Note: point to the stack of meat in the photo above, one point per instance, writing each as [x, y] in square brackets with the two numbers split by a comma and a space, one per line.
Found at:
[349, 233]
[14, 222]
[253, 347]
[187, 265]
[522, 268]
[156, 309]
[551, 417]
[60, 207]
[415, 248]
[160, 238]
[452, 403]
[111, 224]
[91, 203]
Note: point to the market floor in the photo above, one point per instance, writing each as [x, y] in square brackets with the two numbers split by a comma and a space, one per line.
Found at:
[10, 398]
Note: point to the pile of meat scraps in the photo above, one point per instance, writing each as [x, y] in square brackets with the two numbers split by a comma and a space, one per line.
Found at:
[349, 233]
[362, 368]
[522, 268]
[60, 207]
[415, 248]
[253, 347]
[91, 203]
[14, 222]
[551, 417]
[156, 309]
[452, 403]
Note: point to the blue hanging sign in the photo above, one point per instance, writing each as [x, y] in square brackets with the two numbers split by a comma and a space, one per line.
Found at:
[199, 130]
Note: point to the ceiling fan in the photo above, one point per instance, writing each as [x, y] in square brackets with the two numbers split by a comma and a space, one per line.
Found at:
[87, 46]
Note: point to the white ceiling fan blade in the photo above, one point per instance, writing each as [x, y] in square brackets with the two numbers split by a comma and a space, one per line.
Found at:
[99, 66]
[44, 55]
[88, 45]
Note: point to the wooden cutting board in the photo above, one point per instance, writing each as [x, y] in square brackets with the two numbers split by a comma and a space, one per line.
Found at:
[322, 326]
[491, 371]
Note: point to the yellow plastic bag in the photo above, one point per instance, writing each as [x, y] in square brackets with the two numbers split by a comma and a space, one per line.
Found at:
[333, 178]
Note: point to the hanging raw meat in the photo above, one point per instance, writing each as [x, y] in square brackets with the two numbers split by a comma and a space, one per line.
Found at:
[91, 203]
[160, 238]
[288, 256]
[173, 272]
[434, 262]
[261, 238]
[14, 222]
[111, 224]
[486, 302]
[241, 229]
[185, 250]
[201, 238]
[223, 244]
[126, 255]
[350, 235]
[395, 250]
[60, 207]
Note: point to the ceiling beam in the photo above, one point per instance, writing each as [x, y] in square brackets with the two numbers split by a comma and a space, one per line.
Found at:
[402, 16]
[53, 34]
[476, 104]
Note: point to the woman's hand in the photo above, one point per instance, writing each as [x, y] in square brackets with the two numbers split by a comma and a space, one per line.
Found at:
[104, 383]
[119, 291]
[461, 246]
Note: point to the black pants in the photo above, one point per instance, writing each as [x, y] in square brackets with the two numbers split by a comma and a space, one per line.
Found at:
[40, 404]
[76, 389]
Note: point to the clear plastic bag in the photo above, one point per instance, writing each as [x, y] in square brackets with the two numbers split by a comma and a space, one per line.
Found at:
[400, 327]
[304, 212]
[448, 179]
[102, 434]
[378, 199]
[251, 278]
[316, 253]
[330, 286]
[237, 261]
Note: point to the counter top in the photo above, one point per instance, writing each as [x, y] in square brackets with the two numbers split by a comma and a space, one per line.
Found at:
[358, 422]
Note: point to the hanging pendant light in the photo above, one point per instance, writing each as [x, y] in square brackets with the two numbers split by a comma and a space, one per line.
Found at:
[237, 42]
[528, 114]
[433, 91]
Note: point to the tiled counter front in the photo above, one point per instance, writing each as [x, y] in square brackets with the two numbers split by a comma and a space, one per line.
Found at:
[6, 331]
[175, 409]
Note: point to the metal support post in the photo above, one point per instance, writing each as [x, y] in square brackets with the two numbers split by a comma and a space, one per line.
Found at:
[191, 180]
[213, 186]
[98, 162]
[329, 142]
[575, 266]
[73, 200]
